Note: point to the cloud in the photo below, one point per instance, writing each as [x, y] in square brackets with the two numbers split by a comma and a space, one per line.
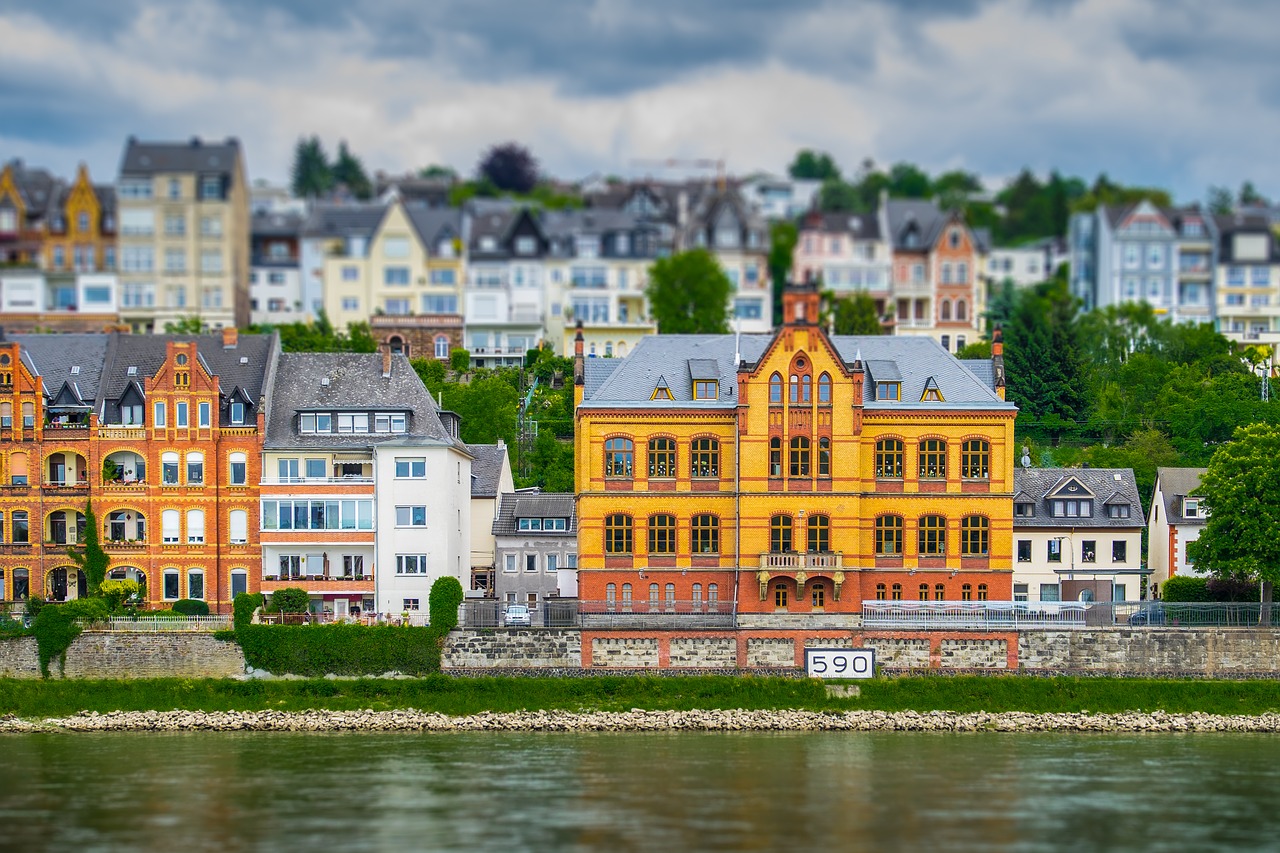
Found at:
[1171, 93]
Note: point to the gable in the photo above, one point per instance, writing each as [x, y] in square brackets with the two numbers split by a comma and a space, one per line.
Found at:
[1070, 487]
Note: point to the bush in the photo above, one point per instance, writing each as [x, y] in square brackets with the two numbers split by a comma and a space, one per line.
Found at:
[338, 649]
[460, 359]
[1185, 588]
[191, 607]
[446, 596]
[57, 625]
[117, 592]
[242, 608]
[1233, 589]
[33, 605]
[291, 599]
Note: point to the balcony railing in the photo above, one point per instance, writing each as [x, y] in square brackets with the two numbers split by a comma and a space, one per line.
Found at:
[1049, 615]
[808, 560]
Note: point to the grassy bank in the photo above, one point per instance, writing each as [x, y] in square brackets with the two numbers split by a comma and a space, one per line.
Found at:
[30, 698]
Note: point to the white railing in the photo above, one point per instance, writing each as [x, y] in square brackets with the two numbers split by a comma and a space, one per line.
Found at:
[927, 615]
[162, 624]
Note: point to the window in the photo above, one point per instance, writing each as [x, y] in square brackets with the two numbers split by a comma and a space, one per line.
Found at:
[775, 389]
[880, 592]
[705, 534]
[159, 414]
[933, 459]
[239, 469]
[889, 459]
[1089, 551]
[195, 468]
[706, 389]
[974, 536]
[966, 592]
[509, 563]
[395, 276]
[619, 454]
[780, 534]
[617, 534]
[611, 595]
[888, 390]
[662, 534]
[975, 459]
[170, 584]
[530, 562]
[1054, 554]
[775, 457]
[1119, 551]
[205, 415]
[895, 592]
[410, 467]
[1118, 511]
[933, 536]
[170, 527]
[888, 535]
[316, 469]
[824, 457]
[239, 527]
[818, 595]
[182, 414]
[819, 538]
[29, 415]
[1022, 509]
[195, 526]
[287, 470]
[195, 584]
[1071, 508]
[169, 469]
[442, 348]
[6, 409]
[21, 528]
[704, 458]
[924, 592]
[662, 457]
[411, 516]
[799, 457]
[982, 592]
[780, 596]
[1020, 591]
[824, 389]
[1024, 550]
[395, 247]
[411, 564]
[939, 592]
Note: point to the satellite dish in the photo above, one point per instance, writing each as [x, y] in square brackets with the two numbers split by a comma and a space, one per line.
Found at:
[1026, 457]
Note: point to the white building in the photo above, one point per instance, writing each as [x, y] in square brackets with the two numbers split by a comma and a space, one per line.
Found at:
[1177, 518]
[275, 271]
[490, 479]
[780, 197]
[1077, 535]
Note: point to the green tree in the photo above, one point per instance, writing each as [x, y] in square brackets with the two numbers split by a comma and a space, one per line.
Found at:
[445, 597]
[1045, 376]
[1241, 488]
[435, 170]
[907, 180]
[1249, 195]
[310, 175]
[689, 294]
[782, 243]
[460, 359]
[349, 171]
[813, 165]
[855, 315]
[836, 196]
[1219, 201]
[975, 350]
[188, 325]
[509, 167]
[91, 559]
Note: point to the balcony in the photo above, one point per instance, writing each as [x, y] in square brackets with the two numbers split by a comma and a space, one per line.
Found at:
[810, 560]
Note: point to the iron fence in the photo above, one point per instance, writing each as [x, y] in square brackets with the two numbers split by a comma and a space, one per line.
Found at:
[1046, 615]
[161, 624]
[619, 614]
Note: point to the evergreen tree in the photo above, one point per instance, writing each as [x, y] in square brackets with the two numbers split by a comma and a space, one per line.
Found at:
[1044, 371]
[349, 171]
[310, 175]
[813, 165]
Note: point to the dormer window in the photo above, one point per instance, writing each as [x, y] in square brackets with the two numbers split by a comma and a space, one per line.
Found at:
[530, 524]
[488, 244]
[526, 245]
[1024, 510]
[888, 390]
[1118, 510]
[706, 389]
[237, 413]
[662, 392]
[1191, 507]
[1071, 508]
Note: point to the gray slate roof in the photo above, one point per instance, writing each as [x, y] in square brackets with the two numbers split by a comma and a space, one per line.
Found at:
[147, 353]
[434, 224]
[1108, 486]
[272, 224]
[206, 158]
[1175, 484]
[341, 220]
[355, 384]
[914, 359]
[922, 217]
[486, 469]
[53, 356]
[517, 505]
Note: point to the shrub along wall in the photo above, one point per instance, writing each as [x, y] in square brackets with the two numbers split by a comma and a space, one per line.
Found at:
[316, 650]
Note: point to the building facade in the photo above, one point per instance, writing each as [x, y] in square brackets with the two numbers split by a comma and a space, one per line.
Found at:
[1246, 280]
[275, 273]
[791, 475]
[536, 542]
[1177, 518]
[848, 255]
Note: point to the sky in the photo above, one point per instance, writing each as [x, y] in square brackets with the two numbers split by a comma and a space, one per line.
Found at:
[1175, 93]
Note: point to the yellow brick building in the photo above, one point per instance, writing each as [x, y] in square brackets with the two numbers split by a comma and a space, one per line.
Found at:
[791, 473]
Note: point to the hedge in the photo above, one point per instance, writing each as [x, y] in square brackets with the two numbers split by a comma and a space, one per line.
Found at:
[242, 608]
[191, 607]
[316, 650]
[1185, 588]
[446, 596]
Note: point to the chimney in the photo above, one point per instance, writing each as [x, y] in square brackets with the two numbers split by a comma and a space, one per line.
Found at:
[230, 337]
[386, 363]
[997, 360]
[579, 371]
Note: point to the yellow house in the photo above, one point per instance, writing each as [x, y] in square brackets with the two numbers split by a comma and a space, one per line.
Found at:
[80, 234]
[791, 474]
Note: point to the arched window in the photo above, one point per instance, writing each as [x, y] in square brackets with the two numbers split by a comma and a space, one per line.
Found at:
[975, 459]
[974, 536]
[962, 311]
[662, 534]
[195, 468]
[6, 415]
[795, 388]
[780, 534]
[924, 592]
[889, 459]
[713, 595]
[608, 349]
[239, 527]
[171, 587]
[800, 456]
[611, 595]
[806, 388]
[933, 536]
[775, 389]
[824, 389]
[697, 597]
[705, 531]
[653, 596]
[880, 592]
[775, 457]
[939, 592]
[171, 527]
[824, 457]
[442, 348]
[933, 459]
[619, 455]
[195, 526]
[896, 592]
[704, 458]
[966, 592]
[395, 343]
[617, 534]
[195, 583]
[819, 534]
[982, 592]
[626, 596]
[889, 535]
[669, 597]
[662, 457]
[945, 309]
[780, 595]
[239, 469]
[169, 468]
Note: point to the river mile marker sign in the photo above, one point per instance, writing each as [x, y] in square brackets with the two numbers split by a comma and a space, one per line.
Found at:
[840, 663]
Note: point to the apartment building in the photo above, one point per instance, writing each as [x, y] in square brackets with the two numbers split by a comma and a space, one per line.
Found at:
[1177, 518]
[507, 301]
[848, 254]
[333, 230]
[275, 272]
[1246, 279]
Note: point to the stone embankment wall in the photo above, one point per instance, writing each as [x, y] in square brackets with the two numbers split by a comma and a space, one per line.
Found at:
[126, 655]
[1209, 652]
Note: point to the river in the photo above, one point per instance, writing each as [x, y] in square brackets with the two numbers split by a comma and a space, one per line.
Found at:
[627, 791]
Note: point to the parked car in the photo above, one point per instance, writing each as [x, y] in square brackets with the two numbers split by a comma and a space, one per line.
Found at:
[1149, 614]
[517, 615]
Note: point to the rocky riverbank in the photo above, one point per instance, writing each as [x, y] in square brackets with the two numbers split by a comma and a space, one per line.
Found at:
[638, 720]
